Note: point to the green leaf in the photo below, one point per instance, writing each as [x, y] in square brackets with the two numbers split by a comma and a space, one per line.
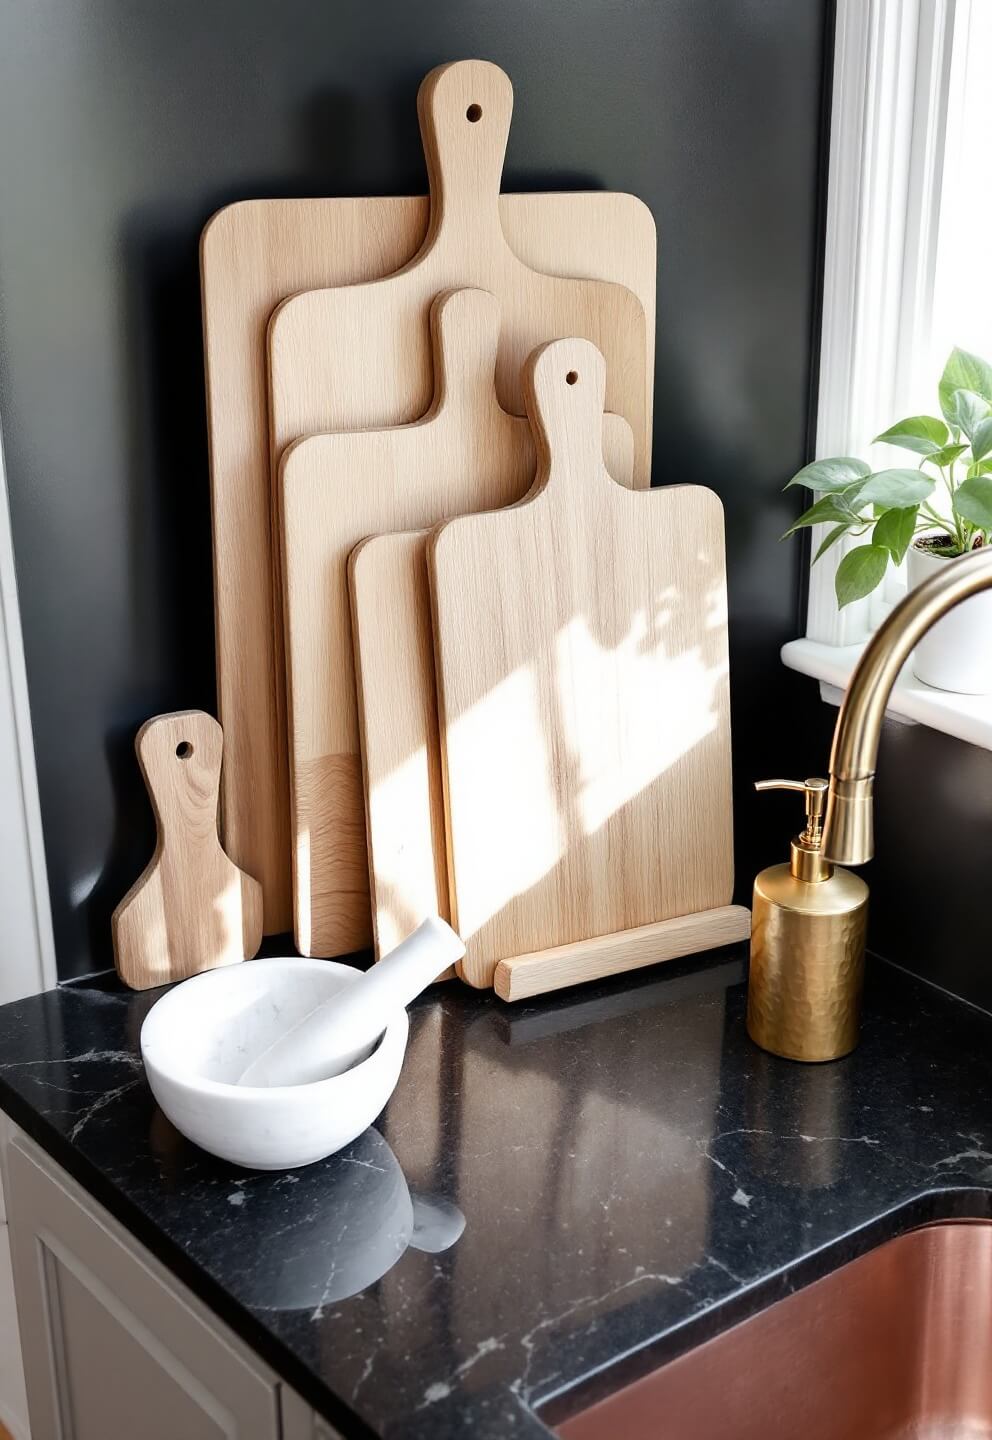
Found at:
[923, 433]
[828, 475]
[859, 572]
[981, 440]
[895, 489]
[964, 372]
[947, 456]
[828, 508]
[894, 532]
[830, 539]
[967, 411]
[973, 501]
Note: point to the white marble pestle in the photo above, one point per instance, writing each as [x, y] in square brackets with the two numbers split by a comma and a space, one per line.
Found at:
[339, 1033]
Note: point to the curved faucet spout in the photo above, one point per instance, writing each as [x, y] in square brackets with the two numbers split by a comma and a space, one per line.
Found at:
[847, 828]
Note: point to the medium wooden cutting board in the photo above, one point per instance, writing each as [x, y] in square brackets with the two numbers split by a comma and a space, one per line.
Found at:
[466, 453]
[254, 254]
[581, 649]
[397, 711]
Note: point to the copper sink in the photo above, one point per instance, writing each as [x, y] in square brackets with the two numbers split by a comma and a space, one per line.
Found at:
[897, 1343]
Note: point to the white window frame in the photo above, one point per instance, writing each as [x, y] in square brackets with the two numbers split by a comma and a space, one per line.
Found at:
[27, 957]
[890, 109]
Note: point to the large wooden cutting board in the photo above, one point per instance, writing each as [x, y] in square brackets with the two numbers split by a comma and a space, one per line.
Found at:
[397, 712]
[359, 355]
[581, 648]
[254, 254]
[467, 453]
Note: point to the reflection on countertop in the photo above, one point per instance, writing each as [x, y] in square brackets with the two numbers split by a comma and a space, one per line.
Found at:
[631, 1173]
[341, 1236]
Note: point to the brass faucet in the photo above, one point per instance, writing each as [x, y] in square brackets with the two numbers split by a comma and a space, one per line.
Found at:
[847, 829]
[808, 918]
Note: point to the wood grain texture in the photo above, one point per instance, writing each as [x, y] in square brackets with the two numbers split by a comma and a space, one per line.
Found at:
[465, 454]
[397, 712]
[596, 959]
[581, 653]
[254, 254]
[192, 909]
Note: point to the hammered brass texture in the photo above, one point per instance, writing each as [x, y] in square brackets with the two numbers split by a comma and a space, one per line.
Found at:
[807, 964]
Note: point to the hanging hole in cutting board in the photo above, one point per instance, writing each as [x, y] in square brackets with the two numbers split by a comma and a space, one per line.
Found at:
[184, 750]
[572, 377]
[473, 114]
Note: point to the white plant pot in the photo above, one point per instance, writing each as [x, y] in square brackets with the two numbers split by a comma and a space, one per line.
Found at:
[956, 654]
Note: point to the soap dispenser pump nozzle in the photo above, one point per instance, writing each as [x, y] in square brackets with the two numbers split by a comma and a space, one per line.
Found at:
[806, 860]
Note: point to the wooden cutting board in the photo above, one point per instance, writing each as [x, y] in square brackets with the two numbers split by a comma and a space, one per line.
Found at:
[192, 909]
[359, 355]
[252, 255]
[465, 454]
[581, 648]
[397, 712]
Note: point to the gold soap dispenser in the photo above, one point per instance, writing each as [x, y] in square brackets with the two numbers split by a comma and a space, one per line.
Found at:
[807, 945]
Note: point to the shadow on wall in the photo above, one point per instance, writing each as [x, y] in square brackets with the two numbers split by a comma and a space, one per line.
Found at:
[170, 627]
[132, 844]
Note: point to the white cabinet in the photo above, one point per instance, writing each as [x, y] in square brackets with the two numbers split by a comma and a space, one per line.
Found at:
[300, 1423]
[13, 1401]
[113, 1347]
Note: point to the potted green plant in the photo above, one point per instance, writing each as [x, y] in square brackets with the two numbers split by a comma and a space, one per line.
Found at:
[928, 515]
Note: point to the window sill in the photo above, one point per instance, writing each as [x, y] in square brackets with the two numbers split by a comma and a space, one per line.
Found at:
[968, 717]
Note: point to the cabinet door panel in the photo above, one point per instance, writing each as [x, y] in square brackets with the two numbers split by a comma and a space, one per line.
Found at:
[299, 1422]
[111, 1347]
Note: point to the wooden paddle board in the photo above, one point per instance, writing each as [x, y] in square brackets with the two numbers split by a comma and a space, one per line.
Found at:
[582, 673]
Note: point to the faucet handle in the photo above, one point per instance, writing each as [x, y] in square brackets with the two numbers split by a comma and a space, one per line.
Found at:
[814, 791]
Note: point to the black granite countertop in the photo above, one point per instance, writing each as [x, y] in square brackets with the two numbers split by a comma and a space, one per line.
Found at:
[633, 1174]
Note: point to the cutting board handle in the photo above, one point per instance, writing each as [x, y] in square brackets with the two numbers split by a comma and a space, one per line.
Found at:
[180, 757]
[564, 385]
[464, 337]
[464, 110]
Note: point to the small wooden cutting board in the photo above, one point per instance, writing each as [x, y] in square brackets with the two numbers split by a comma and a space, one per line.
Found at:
[192, 909]
[254, 254]
[581, 650]
[466, 453]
